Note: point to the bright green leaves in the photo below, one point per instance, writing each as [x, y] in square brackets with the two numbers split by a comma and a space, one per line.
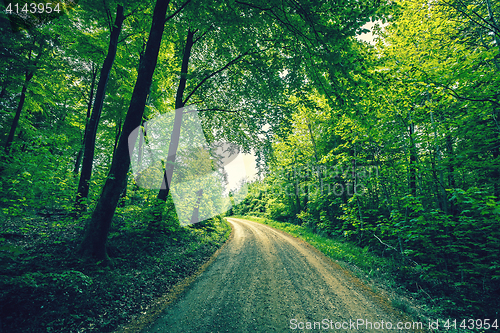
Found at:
[420, 109]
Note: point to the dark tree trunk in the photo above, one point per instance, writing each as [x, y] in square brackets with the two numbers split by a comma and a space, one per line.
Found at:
[306, 197]
[297, 197]
[92, 124]
[89, 110]
[117, 134]
[451, 168]
[96, 232]
[123, 195]
[316, 158]
[20, 105]
[440, 190]
[344, 189]
[4, 90]
[78, 159]
[451, 173]
[413, 161]
[176, 131]
[142, 142]
[496, 173]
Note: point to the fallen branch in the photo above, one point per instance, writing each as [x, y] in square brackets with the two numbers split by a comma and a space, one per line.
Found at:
[389, 246]
[393, 248]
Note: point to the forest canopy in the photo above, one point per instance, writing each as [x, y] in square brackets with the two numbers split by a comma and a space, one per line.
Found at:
[406, 159]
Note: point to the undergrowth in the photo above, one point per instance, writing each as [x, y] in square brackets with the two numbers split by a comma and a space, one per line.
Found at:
[44, 288]
[391, 274]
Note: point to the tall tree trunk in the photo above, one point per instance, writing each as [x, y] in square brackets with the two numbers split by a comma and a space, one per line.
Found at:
[140, 151]
[91, 128]
[496, 172]
[441, 191]
[117, 134]
[4, 89]
[306, 198]
[316, 156]
[89, 110]
[354, 166]
[296, 186]
[493, 22]
[176, 131]
[78, 159]
[413, 161]
[297, 197]
[15, 122]
[97, 229]
[451, 173]
[496, 150]
[451, 168]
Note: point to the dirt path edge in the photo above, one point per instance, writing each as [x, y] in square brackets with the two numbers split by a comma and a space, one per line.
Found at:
[379, 295]
[159, 305]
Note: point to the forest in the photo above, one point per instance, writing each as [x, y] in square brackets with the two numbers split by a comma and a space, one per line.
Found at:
[390, 144]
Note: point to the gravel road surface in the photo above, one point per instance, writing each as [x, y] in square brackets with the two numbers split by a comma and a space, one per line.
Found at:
[267, 281]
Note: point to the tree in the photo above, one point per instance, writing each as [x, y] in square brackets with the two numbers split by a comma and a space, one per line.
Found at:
[242, 43]
[79, 156]
[179, 104]
[96, 232]
[422, 108]
[33, 56]
[93, 121]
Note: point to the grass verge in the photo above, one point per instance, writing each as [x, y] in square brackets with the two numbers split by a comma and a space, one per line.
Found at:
[346, 253]
[380, 273]
[44, 288]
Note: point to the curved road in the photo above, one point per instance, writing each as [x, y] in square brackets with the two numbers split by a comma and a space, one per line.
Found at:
[267, 281]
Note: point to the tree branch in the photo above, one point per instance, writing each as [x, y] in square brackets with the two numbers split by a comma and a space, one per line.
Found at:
[213, 109]
[457, 96]
[177, 11]
[232, 62]
[253, 6]
[487, 25]
[127, 36]
[393, 248]
[108, 16]
[204, 34]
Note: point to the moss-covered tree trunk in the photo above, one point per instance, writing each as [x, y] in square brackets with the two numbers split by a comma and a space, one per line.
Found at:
[96, 232]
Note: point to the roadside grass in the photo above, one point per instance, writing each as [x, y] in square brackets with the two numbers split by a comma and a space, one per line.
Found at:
[45, 288]
[379, 273]
[349, 255]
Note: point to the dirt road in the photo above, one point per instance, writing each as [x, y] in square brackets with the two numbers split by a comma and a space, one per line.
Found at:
[267, 281]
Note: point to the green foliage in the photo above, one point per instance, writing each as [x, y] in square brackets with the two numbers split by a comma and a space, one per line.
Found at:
[44, 287]
[404, 158]
[161, 217]
[209, 224]
[393, 146]
[35, 181]
[70, 279]
[9, 251]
